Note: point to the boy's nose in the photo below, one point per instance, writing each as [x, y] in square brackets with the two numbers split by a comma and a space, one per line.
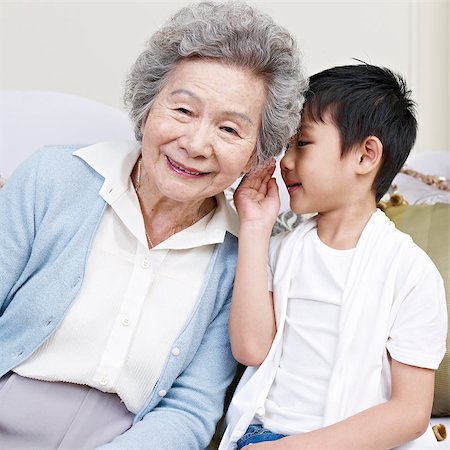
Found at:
[286, 161]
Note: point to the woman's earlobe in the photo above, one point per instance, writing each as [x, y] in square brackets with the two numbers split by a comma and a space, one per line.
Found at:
[250, 163]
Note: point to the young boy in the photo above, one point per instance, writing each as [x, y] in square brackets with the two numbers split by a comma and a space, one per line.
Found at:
[351, 325]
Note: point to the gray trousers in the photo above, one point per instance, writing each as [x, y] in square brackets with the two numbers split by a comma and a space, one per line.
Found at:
[44, 415]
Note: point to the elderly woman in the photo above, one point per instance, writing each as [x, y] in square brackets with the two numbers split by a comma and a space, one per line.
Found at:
[117, 259]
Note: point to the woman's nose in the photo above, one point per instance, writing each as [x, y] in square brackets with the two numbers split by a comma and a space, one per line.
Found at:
[197, 140]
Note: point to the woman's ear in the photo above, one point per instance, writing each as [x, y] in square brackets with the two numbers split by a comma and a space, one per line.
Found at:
[369, 155]
[144, 121]
[250, 163]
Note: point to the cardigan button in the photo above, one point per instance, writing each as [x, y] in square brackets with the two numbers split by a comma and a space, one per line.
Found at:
[176, 351]
[162, 392]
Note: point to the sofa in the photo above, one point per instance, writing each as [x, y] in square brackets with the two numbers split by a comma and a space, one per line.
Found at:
[415, 202]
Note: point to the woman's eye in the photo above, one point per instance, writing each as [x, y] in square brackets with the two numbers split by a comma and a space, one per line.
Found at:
[229, 130]
[183, 110]
[302, 143]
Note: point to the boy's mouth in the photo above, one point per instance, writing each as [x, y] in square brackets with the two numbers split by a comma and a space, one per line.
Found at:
[292, 186]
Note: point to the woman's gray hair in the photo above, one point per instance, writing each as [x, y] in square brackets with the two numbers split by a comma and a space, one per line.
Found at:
[236, 34]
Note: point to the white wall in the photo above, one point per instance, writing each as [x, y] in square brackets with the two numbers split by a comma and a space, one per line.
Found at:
[86, 48]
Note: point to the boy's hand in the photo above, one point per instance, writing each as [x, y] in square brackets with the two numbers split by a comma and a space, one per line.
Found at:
[256, 198]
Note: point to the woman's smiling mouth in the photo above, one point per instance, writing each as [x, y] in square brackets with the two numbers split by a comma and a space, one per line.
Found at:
[182, 170]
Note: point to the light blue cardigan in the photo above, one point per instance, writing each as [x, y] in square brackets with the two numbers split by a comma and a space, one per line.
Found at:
[49, 212]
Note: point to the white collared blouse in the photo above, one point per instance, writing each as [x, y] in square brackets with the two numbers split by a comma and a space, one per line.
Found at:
[134, 302]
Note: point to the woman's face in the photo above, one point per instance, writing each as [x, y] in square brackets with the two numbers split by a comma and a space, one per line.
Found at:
[201, 131]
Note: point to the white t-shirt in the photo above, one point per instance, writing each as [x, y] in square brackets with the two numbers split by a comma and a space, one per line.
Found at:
[297, 396]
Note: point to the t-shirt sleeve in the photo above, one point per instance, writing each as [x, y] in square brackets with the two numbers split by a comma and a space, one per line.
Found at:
[419, 330]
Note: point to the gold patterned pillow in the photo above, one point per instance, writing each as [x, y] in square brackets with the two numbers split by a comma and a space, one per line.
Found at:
[429, 226]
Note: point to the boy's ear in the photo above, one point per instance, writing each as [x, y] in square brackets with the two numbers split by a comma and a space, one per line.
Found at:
[369, 155]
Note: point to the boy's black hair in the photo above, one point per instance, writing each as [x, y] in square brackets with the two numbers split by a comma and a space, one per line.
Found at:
[365, 100]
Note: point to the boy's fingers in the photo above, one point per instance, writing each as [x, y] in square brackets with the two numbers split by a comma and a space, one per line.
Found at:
[272, 188]
[258, 178]
[265, 172]
[253, 179]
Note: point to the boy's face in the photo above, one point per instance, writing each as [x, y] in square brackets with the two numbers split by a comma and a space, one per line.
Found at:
[316, 177]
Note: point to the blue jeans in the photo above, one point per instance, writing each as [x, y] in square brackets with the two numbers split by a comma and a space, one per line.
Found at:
[255, 434]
